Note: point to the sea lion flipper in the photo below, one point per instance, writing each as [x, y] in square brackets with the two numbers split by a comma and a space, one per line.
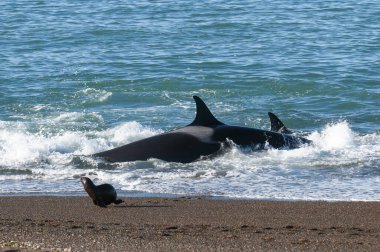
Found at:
[101, 204]
[118, 201]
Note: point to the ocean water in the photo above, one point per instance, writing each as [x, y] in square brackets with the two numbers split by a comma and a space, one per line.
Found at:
[79, 77]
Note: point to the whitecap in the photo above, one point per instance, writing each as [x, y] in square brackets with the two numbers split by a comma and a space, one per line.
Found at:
[339, 165]
[90, 95]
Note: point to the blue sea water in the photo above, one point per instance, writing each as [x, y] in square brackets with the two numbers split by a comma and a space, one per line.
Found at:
[78, 77]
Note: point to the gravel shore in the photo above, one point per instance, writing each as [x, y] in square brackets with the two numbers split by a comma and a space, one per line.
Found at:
[48, 223]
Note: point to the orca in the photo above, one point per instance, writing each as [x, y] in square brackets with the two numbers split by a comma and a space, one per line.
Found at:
[203, 138]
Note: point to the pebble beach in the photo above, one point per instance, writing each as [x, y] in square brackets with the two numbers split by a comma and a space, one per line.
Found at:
[57, 223]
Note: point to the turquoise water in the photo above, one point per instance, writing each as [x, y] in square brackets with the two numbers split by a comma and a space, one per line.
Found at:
[78, 77]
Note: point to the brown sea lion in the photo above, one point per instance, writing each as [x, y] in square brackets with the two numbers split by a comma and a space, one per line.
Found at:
[101, 195]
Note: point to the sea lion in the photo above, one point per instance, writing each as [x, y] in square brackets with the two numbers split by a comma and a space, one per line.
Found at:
[101, 195]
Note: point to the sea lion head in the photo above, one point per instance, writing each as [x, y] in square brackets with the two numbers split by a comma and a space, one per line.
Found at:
[89, 187]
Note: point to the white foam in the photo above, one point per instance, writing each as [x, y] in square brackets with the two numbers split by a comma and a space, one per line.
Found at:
[39, 107]
[93, 95]
[20, 147]
[74, 118]
[339, 165]
[126, 133]
[327, 170]
[334, 137]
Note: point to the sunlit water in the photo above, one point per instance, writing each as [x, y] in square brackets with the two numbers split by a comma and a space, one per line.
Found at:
[82, 77]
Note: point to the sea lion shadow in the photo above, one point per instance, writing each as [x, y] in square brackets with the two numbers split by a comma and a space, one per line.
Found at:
[141, 206]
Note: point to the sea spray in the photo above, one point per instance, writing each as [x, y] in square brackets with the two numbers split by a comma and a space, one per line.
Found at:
[326, 169]
[334, 136]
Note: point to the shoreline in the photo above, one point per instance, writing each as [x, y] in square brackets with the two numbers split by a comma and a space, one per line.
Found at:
[73, 223]
[172, 196]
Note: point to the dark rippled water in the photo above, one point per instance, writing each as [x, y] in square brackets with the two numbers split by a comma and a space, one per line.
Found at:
[79, 77]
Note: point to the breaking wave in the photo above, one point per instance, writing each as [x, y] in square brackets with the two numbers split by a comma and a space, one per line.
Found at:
[340, 164]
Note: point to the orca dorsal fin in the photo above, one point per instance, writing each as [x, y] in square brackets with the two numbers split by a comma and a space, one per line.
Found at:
[203, 117]
[276, 124]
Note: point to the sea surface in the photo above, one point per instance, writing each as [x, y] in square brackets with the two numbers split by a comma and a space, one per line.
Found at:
[79, 77]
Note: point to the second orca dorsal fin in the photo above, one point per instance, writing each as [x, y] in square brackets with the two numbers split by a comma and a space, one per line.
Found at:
[203, 117]
[276, 124]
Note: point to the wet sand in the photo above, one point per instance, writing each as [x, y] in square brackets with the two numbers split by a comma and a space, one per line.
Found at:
[186, 224]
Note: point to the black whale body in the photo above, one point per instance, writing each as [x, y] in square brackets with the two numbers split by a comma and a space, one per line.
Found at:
[203, 137]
